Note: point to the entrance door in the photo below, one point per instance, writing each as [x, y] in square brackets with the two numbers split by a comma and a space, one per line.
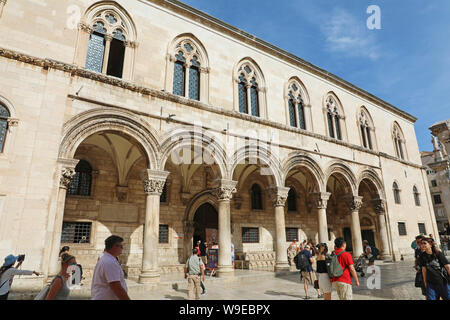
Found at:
[348, 239]
[205, 218]
[369, 236]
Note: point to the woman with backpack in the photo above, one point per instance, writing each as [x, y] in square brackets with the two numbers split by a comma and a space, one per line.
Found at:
[435, 270]
[58, 289]
[324, 278]
[7, 273]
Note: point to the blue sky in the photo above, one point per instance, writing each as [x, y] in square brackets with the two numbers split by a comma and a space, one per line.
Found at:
[406, 63]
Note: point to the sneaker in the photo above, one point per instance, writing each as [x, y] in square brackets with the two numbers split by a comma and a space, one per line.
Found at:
[320, 296]
[307, 298]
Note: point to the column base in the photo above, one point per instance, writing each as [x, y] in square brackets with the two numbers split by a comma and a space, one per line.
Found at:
[225, 272]
[149, 277]
[282, 266]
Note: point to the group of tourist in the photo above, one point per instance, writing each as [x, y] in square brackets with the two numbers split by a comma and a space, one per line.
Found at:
[108, 281]
[432, 268]
[305, 254]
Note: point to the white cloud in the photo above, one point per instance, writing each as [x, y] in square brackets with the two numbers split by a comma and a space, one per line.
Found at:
[346, 34]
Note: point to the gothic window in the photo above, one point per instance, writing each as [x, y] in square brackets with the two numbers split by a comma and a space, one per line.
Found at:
[179, 75]
[416, 196]
[366, 128]
[248, 90]
[296, 106]
[399, 141]
[256, 197]
[82, 180]
[396, 191]
[292, 200]
[189, 61]
[4, 115]
[106, 46]
[333, 118]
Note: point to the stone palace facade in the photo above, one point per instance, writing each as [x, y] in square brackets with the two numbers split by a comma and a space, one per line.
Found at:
[159, 123]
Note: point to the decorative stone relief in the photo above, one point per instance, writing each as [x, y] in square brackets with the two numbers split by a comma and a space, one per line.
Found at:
[224, 189]
[278, 195]
[320, 199]
[67, 175]
[353, 203]
[379, 206]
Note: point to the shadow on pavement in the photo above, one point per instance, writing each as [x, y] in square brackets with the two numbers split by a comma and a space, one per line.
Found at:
[168, 296]
[276, 293]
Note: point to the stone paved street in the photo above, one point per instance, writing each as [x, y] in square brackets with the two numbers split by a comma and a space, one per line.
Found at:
[397, 282]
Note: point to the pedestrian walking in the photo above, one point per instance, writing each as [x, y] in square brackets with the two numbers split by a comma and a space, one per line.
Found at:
[66, 250]
[343, 284]
[193, 270]
[58, 288]
[292, 251]
[435, 271]
[202, 248]
[322, 272]
[419, 283]
[8, 271]
[305, 261]
[108, 281]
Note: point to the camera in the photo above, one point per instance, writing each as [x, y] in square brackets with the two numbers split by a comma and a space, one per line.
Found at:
[20, 258]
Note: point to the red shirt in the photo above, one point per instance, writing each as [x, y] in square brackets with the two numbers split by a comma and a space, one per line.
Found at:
[345, 260]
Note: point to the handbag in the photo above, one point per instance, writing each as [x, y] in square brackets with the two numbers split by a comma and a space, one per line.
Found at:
[419, 280]
[43, 293]
[316, 284]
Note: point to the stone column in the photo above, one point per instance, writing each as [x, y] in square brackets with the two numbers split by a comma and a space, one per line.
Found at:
[224, 190]
[354, 203]
[108, 39]
[67, 174]
[204, 84]
[187, 65]
[128, 63]
[278, 196]
[84, 33]
[249, 98]
[2, 5]
[153, 187]
[320, 201]
[379, 208]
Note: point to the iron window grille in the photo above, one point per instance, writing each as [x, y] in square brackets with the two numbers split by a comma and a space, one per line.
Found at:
[291, 234]
[402, 229]
[422, 229]
[76, 232]
[250, 235]
[163, 233]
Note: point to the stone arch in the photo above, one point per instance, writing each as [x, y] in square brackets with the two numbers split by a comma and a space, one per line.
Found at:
[372, 176]
[263, 155]
[87, 123]
[345, 171]
[189, 38]
[182, 136]
[299, 159]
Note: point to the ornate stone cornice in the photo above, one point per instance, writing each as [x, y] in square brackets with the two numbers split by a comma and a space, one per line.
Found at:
[320, 199]
[379, 206]
[354, 203]
[224, 189]
[154, 181]
[278, 195]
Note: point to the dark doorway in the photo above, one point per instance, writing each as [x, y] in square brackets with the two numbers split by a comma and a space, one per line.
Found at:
[369, 236]
[348, 239]
[205, 218]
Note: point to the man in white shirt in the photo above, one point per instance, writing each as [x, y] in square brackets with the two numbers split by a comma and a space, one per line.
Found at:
[108, 281]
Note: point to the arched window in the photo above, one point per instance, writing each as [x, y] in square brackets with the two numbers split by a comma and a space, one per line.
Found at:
[107, 42]
[416, 196]
[366, 129]
[163, 196]
[188, 69]
[292, 200]
[334, 117]
[396, 191]
[82, 180]
[256, 197]
[296, 107]
[4, 116]
[249, 92]
[399, 141]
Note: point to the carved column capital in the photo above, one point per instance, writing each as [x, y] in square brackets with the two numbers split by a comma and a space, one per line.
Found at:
[67, 175]
[278, 195]
[320, 199]
[154, 181]
[12, 122]
[354, 203]
[109, 37]
[204, 69]
[379, 206]
[224, 189]
[84, 27]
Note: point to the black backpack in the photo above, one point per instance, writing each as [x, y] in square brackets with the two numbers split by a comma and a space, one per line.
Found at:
[375, 252]
[301, 262]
